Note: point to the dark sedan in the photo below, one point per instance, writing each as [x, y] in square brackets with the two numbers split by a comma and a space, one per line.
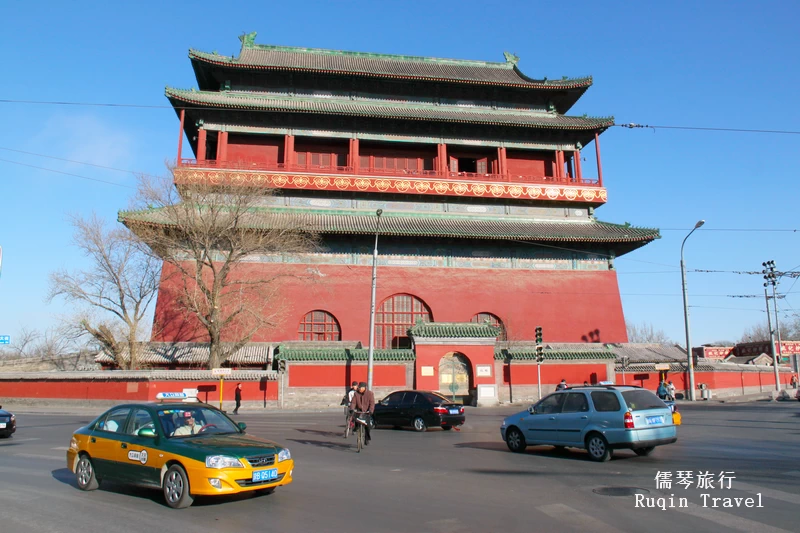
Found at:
[8, 423]
[418, 409]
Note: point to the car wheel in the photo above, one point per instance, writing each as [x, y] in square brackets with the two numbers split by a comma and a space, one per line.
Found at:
[644, 452]
[447, 428]
[419, 424]
[515, 440]
[176, 488]
[84, 474]
[597, 446]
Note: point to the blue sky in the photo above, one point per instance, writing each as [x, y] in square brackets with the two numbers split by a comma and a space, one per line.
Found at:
[715, 64]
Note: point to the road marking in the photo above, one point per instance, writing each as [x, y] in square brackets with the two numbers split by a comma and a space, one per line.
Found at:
[573, 518]
[61, 448]
[29, 439]
[728, 520]
[793, 473]
[768, 493]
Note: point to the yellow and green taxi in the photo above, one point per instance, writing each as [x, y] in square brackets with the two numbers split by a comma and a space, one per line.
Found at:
[185, 448]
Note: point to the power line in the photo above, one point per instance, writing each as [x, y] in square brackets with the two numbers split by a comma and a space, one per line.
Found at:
[78, 162]
[633, 125]
[67, 173]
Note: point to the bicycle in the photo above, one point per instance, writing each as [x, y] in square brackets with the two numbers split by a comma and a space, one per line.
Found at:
[360, 422]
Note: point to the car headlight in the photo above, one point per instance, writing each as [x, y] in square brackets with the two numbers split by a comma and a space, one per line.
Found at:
[284, 455]
[223, 461]
[73, 443]
[13, 417]
[503, 424]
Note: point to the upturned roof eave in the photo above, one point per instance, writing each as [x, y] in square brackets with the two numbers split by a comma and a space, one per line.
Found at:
[177, 97]
[202, 58]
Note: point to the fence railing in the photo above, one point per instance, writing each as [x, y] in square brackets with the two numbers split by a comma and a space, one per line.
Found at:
[361, 171]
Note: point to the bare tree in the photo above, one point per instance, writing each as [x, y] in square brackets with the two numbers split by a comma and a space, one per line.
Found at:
[206, 233]
[760, 332]
[121, 282]
[646, 333]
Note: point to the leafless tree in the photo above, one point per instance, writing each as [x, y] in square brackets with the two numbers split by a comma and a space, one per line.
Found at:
[206, 233]
[121, 282]
[646, 333]
[760, 332]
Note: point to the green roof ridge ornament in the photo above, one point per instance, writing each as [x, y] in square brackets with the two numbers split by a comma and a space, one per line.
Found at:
[511, 58]
[248, 39]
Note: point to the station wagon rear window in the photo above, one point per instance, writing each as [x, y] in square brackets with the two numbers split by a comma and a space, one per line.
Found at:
[640, 400]
[605, 402]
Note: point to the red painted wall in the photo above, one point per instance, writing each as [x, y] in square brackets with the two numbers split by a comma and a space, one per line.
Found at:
[536, 164]
[255, 149]
[323, 375]
[571, 306]
[138, 391]
[575, 374]
[714, 380]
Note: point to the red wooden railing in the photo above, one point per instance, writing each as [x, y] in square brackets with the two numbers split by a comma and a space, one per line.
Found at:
[470, 176]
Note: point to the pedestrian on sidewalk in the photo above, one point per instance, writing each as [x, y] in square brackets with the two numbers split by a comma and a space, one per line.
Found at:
[671, 391]
[238, 398]
[794, 381]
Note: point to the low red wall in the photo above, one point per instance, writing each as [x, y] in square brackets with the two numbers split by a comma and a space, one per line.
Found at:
[341, 375]
[134, 391]
[729, 380]
[526, 374]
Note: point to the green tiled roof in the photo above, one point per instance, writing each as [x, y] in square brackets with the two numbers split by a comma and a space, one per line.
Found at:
[555, 355]
[342, 354]
[383, 109]
[262, 57]
[326, 222]
[453, 330]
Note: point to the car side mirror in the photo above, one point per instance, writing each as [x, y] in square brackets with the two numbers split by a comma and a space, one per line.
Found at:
[532, 409]
[146, 432]
[242, 426]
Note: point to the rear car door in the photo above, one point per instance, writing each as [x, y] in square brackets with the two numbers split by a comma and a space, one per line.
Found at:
[542, 425]
[574, 418]
[139, 459]
[408, 408]
[104, 445]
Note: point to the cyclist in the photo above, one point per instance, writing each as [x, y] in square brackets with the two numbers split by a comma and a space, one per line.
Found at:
[363, 402]
[346, 402]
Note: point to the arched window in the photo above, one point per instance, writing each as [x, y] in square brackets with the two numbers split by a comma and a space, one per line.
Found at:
[494, 320]
[319, 326]
[394, 316]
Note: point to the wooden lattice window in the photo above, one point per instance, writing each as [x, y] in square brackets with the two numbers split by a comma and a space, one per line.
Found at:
[319, 326]
[494, 320]
[393, 318]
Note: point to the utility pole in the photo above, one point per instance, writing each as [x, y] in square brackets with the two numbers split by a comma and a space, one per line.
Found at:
[371, 351]
[771, 279]
[539, 359]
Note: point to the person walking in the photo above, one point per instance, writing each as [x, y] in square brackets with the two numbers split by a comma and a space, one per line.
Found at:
[562, 385]
[238, 398]
[671, 391]
[662, 390]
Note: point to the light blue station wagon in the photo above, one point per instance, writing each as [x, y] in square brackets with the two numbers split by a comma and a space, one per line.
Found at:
[597, 418]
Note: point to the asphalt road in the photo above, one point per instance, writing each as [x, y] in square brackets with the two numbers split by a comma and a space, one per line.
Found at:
[440, 482]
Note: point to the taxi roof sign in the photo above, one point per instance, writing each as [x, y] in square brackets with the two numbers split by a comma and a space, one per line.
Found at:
[171, 396]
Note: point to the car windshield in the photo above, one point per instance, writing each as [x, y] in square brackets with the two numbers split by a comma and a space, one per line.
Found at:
[192, 420]
[640, 400]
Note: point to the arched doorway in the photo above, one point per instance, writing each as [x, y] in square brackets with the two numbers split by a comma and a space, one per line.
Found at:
[455, 377]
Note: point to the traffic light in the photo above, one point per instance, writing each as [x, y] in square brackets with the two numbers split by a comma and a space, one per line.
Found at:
[282, 365]
[538, 335]
[539, 353]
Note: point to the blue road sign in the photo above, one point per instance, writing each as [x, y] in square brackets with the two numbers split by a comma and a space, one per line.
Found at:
[5, 339]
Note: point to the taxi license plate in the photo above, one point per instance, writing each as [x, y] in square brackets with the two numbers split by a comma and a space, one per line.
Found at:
[453, 411]
[2, 425]
[655, 419]
[265, 475]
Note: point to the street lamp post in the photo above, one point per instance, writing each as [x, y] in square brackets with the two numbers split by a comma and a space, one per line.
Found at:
[378, 214]
[686, 315]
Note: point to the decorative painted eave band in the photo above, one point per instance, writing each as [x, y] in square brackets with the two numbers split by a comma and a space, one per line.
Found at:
[343, 354]
[549, 355]
[293, 59]
[404, 185]
[383, 110]
[138, 375]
